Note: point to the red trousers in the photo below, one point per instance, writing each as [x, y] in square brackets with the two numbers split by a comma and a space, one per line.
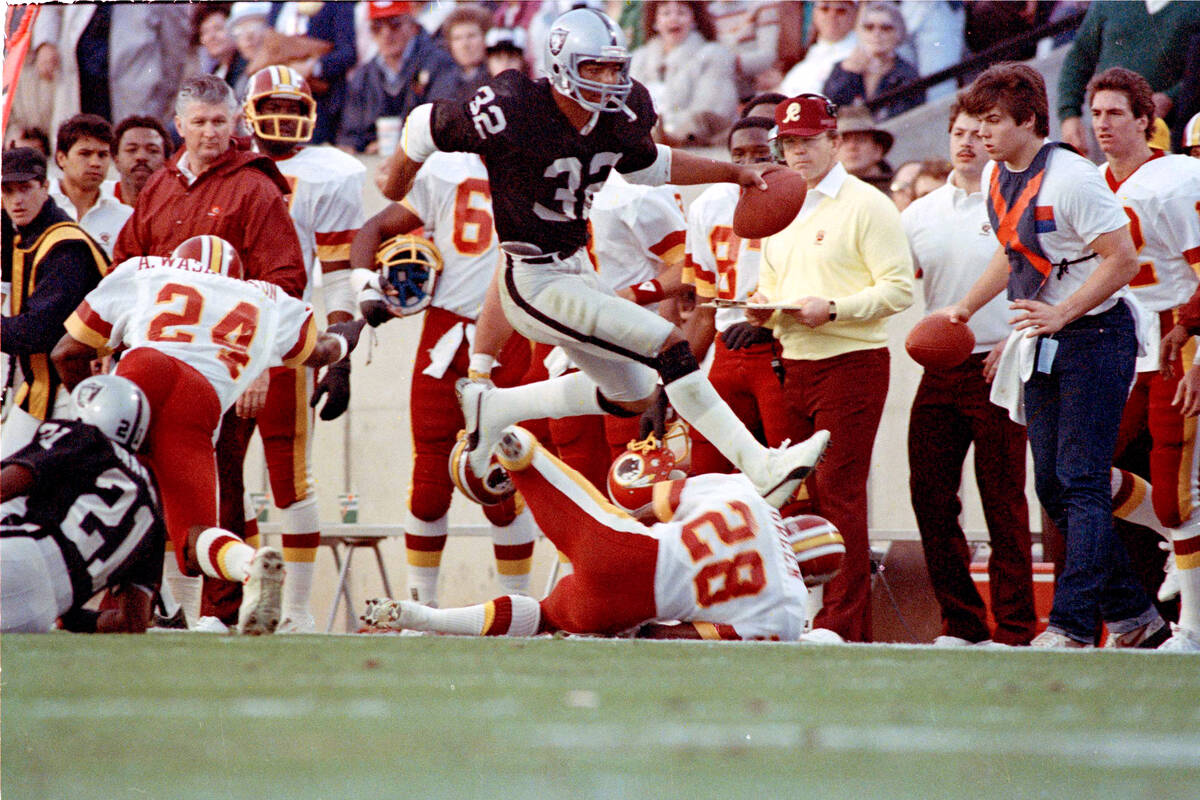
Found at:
[184, 414]
[844, 395]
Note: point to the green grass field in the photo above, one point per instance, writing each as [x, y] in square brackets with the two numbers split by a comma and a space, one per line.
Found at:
[358, 717]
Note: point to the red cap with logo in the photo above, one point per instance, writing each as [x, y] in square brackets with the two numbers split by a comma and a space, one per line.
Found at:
[380, 10]
[806, 115]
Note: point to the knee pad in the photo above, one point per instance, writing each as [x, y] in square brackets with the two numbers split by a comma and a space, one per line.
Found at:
[675, 362]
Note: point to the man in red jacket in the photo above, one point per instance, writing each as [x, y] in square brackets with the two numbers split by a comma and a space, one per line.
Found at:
[216, 185]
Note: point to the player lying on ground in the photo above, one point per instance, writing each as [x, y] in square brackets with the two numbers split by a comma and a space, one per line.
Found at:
[81, 514]
[197, 336]
[719, 561]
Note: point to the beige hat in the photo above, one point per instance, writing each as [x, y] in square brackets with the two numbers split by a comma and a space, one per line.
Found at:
[857, 119]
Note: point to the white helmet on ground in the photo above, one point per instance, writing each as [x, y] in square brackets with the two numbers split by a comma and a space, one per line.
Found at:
[115, 405]
[580, 36]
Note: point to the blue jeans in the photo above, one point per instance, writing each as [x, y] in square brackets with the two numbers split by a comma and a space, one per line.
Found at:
[1073, 414]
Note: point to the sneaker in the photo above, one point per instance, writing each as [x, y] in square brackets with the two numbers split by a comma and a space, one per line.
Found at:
[1146, 637]
[209, 625]
[787, 466]
[822, 636]
[262, 593]
[1181, 641]
[955, 641]
[1055, 640]
[1168, 590]
[382, 613]
[297, 623]
[480, 436]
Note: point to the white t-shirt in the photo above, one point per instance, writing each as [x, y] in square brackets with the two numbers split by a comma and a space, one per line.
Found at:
[723, 559]
[452, 197]
[720, 263]
[952, 242]
[1079, 206]
[228, 330]
[811, 73]
[103, 221]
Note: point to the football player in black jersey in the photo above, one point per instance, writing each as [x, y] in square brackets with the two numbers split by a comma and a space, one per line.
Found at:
[80, 514]
[548, 146]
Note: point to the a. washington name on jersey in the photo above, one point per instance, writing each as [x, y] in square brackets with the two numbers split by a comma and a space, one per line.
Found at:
[96, 501]
[542, 171]
[226, 329]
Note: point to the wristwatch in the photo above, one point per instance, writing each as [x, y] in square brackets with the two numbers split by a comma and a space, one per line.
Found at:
[832, 311]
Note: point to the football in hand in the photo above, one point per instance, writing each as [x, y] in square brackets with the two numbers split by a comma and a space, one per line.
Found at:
[938, 343]
[764, 212]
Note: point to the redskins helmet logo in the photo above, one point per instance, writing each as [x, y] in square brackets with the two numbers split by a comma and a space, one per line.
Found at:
[558, 37]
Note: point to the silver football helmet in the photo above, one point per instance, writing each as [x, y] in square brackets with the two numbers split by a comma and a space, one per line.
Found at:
[583, 35]
[115, 405]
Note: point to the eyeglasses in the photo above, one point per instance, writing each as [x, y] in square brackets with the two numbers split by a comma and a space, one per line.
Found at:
[878, 26]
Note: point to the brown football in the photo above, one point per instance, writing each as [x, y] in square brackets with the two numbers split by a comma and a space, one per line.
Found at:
[763, 212]
[938, 343]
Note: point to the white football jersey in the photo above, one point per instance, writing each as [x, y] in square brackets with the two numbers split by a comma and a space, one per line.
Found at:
[723, 559]
[452, 197]
[325, 203]
[227, 329]
[1162, 200]
[720, 263]
[635, 231]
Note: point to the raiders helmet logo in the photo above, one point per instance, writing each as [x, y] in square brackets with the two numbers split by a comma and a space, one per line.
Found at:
[793, 113]
[558, 37]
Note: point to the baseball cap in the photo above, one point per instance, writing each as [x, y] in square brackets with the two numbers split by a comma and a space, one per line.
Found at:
[383, 10]
[506, 39]
[805, 115]
[241, 11]
[22, 164]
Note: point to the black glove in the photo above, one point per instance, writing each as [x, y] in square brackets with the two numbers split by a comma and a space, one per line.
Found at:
[375, 312]
[654, 418]
[335, 383]
[743, 334]
[349, 331]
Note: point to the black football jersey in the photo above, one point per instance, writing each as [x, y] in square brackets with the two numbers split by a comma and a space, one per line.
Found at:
[543, 173]
[96, 501]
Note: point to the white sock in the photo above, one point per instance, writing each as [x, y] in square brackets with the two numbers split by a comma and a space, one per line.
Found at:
[698, 402]
[185, 588]
[1187, 561]
[1136, 504]
[424, 542]
[510, 615]
[301, 526]
[565, 396]
[223, 555]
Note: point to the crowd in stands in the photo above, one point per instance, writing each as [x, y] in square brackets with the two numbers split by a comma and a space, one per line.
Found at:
[98, 122]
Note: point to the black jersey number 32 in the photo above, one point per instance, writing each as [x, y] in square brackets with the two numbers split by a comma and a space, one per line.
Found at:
[489, 119]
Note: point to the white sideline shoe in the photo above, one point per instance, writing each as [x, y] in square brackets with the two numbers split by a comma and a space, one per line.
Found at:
[787, 466]
[297, 623]
[382, 613]
[1052, 640]
[1181, 641]
[480, 436]
[209, 625]
[1169, 589]
[952, 641]
[822, 636]
[1147, 637]
[262, 593]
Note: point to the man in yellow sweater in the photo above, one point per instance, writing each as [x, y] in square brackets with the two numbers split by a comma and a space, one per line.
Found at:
[844, 263]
